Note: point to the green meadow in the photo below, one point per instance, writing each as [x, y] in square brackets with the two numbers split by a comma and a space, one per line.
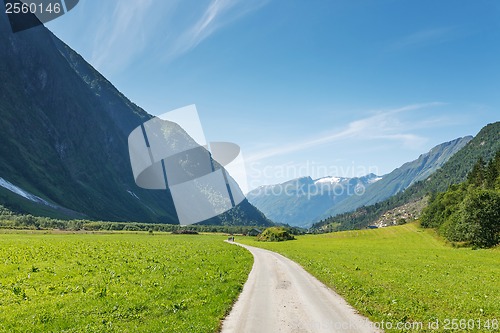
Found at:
[137, 282]
[404, 275]
[118, 282]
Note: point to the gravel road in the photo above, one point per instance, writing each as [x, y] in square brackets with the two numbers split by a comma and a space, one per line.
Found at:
[280, 296]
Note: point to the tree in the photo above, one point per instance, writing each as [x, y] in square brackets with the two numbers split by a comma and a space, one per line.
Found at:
[477, 175]
[480, 215]
[442, 206]
[493, 173]
[469, 212]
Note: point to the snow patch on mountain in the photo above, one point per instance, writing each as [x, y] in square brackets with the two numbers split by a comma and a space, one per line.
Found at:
[25, 194]
[133, 194]
[374, 180]
[329, 180]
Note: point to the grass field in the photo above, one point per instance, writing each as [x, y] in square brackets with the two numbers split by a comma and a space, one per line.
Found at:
[118, 282]
[403, 276]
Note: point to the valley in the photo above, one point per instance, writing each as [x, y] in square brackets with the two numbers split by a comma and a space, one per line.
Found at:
[402, 275]
[374, 125]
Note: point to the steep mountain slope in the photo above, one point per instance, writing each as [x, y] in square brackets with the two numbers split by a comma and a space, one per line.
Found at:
[402, 177]
[64, 131]
[484, 145]
[299, 202]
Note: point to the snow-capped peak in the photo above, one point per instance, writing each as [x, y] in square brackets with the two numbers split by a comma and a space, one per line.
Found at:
[329, 180]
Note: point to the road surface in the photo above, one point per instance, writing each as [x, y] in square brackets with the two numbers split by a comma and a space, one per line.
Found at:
[280, 296]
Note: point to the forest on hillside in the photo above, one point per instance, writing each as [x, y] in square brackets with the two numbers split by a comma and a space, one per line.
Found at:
[470, 211]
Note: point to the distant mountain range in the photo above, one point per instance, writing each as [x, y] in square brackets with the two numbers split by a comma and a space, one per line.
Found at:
[403, 177]
[483, 146]
[308, 200]
[299, 202]
[64, 131]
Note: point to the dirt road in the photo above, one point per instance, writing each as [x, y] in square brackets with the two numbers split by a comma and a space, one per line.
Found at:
[280, 296]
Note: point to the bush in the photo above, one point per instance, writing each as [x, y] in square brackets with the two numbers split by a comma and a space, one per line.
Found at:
[442, 206]
[275, 234]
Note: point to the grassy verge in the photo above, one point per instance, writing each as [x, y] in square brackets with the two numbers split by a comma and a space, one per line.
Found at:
[118, 282]
[404, 275]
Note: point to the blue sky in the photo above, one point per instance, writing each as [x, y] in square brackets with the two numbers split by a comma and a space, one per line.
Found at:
[315, 88]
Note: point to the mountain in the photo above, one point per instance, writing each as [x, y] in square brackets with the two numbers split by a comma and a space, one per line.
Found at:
[303, 201]
[299, 202]
[64, 133]
[403, 177]
[483, 146]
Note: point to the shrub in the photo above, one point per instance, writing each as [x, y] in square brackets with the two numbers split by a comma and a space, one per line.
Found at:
[275, 234]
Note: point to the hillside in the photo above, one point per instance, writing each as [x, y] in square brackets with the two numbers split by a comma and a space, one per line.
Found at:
[484, 145]
[299, 202]
[469, 212]
[64, 137]
[403, 177]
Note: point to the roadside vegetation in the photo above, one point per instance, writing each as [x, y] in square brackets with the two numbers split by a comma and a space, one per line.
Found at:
[275, 234]
[139, 282]
[403, 274]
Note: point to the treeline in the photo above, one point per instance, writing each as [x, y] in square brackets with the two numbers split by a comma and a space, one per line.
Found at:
[469, 212]
[10, 220]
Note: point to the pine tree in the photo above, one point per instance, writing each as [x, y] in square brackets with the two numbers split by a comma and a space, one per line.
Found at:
[477, 175]
[481, 212]
[493, 173]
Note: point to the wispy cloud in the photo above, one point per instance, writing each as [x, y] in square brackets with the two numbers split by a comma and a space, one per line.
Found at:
[426, 37]
[217, 14]
[383, 125]
[122, 37]
[169, 29]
